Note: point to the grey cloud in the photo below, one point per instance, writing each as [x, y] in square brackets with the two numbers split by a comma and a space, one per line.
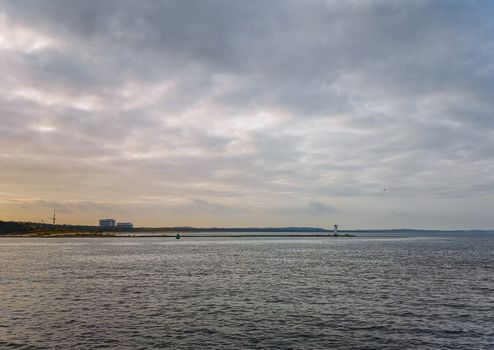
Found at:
[312, 209]
[259, 105]
[320, 208]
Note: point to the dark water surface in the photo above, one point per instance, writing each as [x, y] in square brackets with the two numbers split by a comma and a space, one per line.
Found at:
[432, 292]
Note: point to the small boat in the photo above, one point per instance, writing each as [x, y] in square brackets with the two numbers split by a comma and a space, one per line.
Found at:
[177, 236]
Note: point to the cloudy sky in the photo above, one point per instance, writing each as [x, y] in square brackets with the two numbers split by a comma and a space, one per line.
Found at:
[367, 114]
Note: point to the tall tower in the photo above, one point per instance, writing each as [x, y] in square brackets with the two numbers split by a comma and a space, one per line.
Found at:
[335, 230]
[54, 217]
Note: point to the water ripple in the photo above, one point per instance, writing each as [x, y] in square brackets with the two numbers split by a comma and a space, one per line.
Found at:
[247, 293]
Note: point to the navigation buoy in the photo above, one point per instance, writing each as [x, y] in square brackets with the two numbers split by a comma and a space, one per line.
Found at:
[177, 236]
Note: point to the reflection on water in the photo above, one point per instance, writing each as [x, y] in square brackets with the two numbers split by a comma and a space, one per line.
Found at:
[314, 293]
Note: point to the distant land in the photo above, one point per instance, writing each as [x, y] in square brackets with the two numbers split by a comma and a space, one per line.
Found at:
[39, 229]
[18, 228]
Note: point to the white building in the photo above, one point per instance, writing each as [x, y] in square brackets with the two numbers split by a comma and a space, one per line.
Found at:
[107, 223]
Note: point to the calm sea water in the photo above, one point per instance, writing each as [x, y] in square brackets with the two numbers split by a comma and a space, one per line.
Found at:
[432, 292]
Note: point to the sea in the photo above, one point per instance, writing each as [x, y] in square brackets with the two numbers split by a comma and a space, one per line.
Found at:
[374, 291]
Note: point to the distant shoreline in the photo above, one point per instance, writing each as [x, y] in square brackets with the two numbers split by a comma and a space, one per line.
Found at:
[41, 229]
[34, 229]
[163, 235]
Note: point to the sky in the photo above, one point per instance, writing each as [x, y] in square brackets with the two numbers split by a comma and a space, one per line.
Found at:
[365, 114]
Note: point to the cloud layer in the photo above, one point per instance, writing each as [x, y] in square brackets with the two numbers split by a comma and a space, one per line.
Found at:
[248, 112]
